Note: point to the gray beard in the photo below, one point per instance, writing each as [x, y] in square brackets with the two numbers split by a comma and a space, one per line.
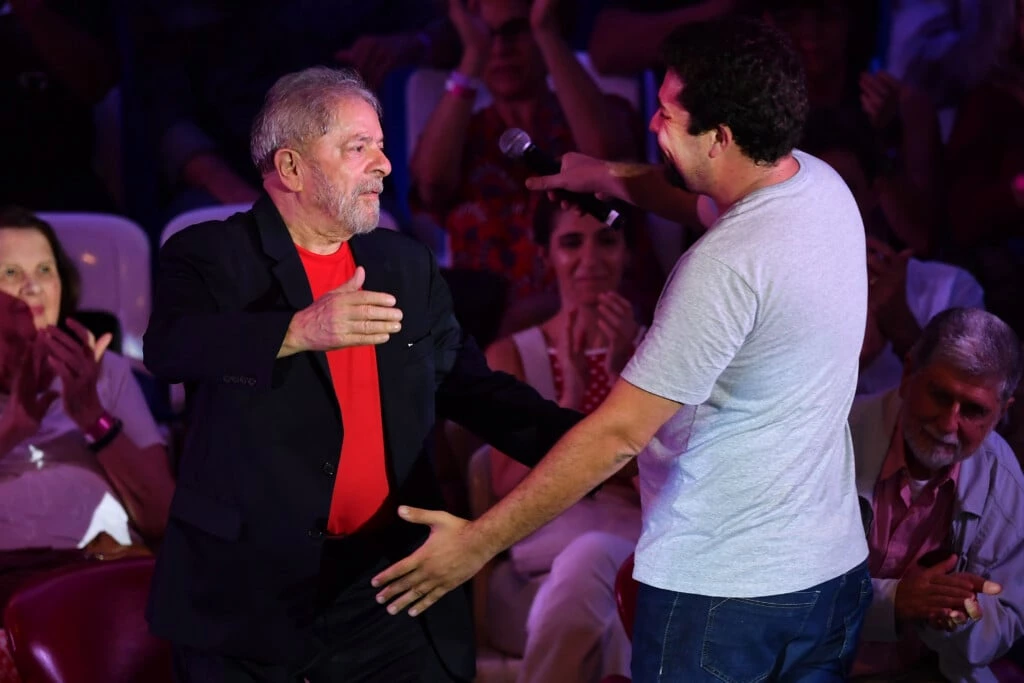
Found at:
[931, 456]
[345, 210]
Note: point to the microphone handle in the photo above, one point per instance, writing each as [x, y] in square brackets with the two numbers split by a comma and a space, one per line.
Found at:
[542, 164]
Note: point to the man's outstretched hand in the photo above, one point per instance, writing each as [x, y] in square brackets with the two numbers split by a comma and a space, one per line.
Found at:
[450, 556]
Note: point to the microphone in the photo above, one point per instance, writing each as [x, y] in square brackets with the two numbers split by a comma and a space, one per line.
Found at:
[517, 145]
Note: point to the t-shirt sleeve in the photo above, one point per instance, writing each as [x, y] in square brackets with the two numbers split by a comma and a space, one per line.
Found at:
[966, 292]
[705, 313]
[123, 398]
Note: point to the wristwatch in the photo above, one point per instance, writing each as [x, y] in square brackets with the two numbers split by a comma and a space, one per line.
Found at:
[102, 432]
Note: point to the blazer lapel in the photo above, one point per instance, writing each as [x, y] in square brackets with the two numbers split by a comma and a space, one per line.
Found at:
[278, 245]
[380, 277]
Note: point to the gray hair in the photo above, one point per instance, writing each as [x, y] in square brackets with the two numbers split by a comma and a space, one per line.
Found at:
[300, 108]
[973, 341]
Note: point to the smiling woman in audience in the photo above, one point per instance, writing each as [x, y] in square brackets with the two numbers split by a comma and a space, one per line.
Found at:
[80, 454]
[572, 629]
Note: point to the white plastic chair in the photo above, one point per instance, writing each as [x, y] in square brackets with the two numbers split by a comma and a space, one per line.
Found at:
[221, 212]
[112, 255]
[217, 212]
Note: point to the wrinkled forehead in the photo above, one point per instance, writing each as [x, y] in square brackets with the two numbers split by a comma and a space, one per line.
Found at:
[351, 116]
[20, 243]
[947, 379]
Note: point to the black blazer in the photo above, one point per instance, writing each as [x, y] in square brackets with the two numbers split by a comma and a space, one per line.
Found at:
[239, 570]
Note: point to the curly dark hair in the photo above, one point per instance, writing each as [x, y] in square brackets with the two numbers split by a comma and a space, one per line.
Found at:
[70, 280]
[742, 73]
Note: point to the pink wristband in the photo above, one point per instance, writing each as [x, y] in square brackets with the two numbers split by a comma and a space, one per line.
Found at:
[460, 90]
[100, 428]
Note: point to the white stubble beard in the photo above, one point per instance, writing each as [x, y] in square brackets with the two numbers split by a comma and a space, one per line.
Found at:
[344, 209]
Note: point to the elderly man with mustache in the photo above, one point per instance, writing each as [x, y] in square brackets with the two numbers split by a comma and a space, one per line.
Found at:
[943, 501]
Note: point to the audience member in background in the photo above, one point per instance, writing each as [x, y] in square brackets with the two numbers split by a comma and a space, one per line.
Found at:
[891, 122]
[946, 47]
[986, 161]
[904, 292]
[834, 39]
[573, 631]
[943, 499]
[461, 179]
[205, 66]
[79, 452]
[56, 61]
[628, 33]
[82, 465]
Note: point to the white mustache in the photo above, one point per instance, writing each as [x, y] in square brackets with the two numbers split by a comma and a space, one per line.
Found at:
[947, 439]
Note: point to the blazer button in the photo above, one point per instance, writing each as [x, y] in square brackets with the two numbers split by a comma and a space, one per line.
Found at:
[315, 534]
[328, 469]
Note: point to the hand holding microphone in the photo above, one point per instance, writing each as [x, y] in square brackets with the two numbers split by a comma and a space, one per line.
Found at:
[517, 145]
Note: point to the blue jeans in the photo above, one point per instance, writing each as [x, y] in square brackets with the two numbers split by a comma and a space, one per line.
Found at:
[807, 636]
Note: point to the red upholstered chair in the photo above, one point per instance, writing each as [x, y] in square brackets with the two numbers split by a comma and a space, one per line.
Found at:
[85, 624]
[625, 595]
[1007, 671]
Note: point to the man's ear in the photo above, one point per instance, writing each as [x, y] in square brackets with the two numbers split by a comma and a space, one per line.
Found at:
[286, 163]
[721, 141]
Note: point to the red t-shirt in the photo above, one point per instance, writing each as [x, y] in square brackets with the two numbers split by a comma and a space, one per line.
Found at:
[361, 484]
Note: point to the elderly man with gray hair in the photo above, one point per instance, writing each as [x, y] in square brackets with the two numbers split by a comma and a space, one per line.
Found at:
[318, 353]
[943, 500]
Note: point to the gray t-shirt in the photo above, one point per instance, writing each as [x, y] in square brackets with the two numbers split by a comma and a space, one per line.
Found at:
[749, 489]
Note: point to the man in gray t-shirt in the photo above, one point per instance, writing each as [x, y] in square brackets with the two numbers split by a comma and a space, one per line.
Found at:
[751, 561]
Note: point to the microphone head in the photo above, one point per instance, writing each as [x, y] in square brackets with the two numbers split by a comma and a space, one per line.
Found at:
[513, 143]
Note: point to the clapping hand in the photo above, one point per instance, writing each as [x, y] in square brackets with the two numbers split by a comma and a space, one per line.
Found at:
[30, 397]
[880, 98]
[617, 324]
[887, 278]
[474, 34]
[572, 358]
[940, 599]
[23, 371]
[375, 56]
[75, 357]
[544, 15]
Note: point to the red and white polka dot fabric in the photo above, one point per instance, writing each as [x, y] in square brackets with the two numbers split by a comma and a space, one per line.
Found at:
[598, 381]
